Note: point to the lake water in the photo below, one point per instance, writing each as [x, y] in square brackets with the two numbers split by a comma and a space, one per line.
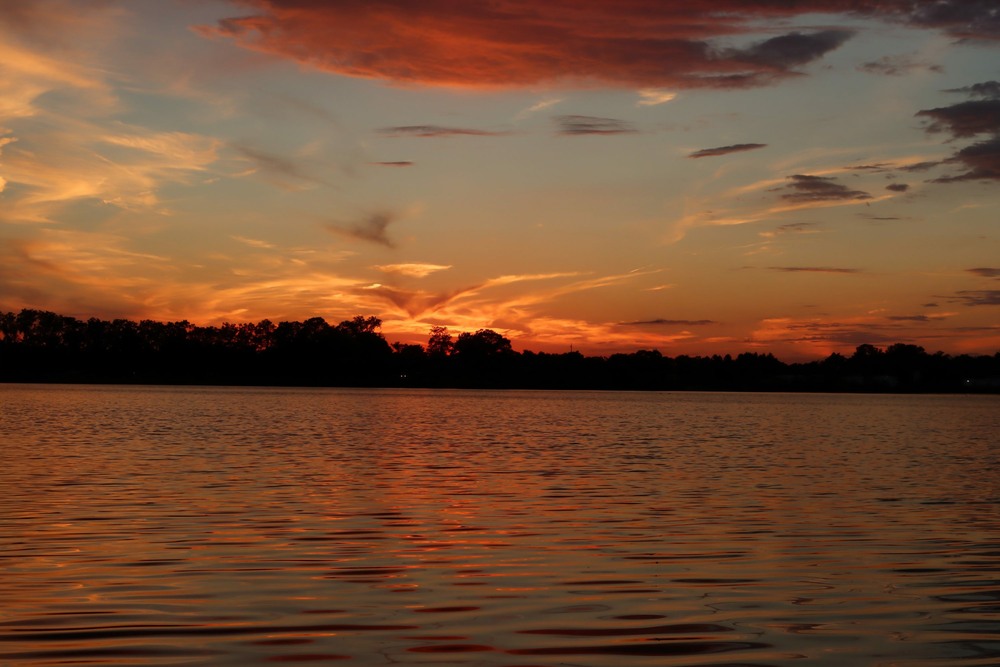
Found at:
[235, 526]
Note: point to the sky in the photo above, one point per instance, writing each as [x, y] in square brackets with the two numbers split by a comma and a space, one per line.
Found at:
[695, 177]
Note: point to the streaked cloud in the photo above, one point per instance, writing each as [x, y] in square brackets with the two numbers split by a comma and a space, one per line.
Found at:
[436, 131]
[985, 297]
[725, 150]
[985, 272]
[538, 106]
[813, 269]
[575, 125]
[394, 163]
[809, 188]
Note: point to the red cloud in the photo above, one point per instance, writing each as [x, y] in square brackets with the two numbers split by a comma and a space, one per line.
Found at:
[524, 42]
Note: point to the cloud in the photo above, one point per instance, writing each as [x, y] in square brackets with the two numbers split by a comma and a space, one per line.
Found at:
[580, 125]
[393, 163]
[910, 318]
[965, 119]
[897, 187]
[538, 106]
[435, 131]
[414, 270]
[813, 269]
[519, 43]
[725, 150]
[663, 322]
[962, 18]
[253, 243]
[791, 228]
[897, 66]
[982, 159]
[987, 89]
[805, 188]
[978, 297]
[276, 166]
[373, 228]
[649, 97]
[792, 50]
[984, 272]
[970, 119]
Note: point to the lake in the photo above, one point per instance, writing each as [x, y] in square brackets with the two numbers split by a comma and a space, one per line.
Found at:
[234, 526]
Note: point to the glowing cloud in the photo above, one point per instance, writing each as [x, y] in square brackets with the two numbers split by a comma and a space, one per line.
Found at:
[413, 270]
[653, 97]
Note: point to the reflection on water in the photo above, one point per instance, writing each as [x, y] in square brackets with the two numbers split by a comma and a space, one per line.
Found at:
[233, 526]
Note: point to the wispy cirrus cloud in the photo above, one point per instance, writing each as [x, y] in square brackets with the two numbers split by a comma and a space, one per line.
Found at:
[538, 106]
[575, 125]
[725, 150]
[814, 269]
[436, 131]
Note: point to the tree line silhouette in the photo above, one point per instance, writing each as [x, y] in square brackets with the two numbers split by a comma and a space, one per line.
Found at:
[41, 346]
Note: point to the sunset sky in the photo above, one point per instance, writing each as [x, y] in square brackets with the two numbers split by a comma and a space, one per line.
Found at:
[695, 177]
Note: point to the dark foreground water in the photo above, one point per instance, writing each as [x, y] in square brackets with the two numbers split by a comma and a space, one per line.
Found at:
[220, 526]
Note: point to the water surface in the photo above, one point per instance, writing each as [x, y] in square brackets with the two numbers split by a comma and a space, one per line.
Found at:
[234, 526]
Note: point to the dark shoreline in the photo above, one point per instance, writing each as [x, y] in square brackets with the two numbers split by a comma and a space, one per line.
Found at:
[43, 347]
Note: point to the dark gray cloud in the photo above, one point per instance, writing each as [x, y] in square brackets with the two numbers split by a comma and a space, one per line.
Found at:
[373, 228]
[909, 318]
[984, 272]
[919, 166]
[813, 269]
[786, 51]
[664, 322]
[977, 19]
[725, 150]
[930, 305]
[436, 131]
[982, 159]
[805, 188]
[965, 119]
[984, 297]
[580, 125]
[878, 166]
[987, 89]
[897, 66]
[972, 118]
[394, 163]
[897, 187]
